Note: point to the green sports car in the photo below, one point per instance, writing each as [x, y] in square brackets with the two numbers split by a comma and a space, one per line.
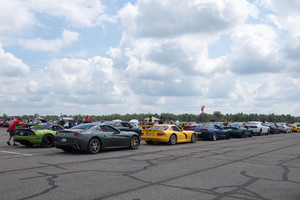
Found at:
[42, 134]
[239, 130]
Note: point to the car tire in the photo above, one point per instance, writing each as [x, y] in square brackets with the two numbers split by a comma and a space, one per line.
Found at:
[47, 141]
[214, 136]
[260, 132]
[251, 134]
[228, 136]
[242, 134]
[134, 142]
[193, 138]
[268, 132]
[94, 146]
[173, 139]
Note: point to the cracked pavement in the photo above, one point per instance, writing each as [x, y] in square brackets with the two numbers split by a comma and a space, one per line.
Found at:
[261, 167]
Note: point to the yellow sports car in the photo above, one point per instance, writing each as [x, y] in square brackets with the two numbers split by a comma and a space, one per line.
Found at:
[166, 133]
[296, 127]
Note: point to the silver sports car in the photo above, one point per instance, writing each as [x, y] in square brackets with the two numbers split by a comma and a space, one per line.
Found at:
[92, 137]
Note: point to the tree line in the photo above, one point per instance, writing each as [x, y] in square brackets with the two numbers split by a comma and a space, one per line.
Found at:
[186, 117]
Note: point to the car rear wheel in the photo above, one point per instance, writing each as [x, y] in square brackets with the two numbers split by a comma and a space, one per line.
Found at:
[134, 142]
[214, 136]
[251, 134]
[242, 134]
[94, 146]
[260, 132]
[228, 136]
[193, 138]
[47, 141]
[173, 139]
[268, 132]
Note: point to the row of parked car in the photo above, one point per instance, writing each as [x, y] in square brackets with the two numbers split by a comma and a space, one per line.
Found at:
[92, 137]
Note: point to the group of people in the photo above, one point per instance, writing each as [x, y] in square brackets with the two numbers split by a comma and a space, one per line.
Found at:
[75, 122]
[151, 121]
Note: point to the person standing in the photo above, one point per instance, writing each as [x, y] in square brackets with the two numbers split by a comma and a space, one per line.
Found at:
[76, 121]
[150, 121]
[161, 120]
[11, 129]
[177, 123]
[88, 120]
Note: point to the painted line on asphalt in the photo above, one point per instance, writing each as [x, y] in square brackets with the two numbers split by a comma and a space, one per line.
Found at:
[11, 152]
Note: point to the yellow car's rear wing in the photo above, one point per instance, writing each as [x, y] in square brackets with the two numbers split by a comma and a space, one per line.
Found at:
[146, 129]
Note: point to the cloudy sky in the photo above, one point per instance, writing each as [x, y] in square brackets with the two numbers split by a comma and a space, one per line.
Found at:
[117, 56]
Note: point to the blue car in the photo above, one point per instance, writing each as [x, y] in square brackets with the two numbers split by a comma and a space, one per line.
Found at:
[212, 132]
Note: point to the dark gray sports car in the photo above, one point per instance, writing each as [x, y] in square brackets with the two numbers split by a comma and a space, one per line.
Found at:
[92, 137]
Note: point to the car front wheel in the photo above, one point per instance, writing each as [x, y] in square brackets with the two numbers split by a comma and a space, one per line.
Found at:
[214, 136]
[193, 138]
[134, 142]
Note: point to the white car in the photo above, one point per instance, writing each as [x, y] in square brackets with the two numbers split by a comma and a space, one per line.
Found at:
[284, 127]
[258, 128]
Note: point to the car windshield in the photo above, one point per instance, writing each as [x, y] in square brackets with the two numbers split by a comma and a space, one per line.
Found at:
[42, 126]
[194, 124]
[108, 123]
[268, 124]
[207, 126]
[162, 128]
[234, 125]
[83, 126]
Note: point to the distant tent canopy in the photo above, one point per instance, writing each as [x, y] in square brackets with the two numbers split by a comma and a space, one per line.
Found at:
[65, 118]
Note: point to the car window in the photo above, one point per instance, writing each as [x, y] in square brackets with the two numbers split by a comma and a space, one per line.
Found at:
[124, 124]
[108, 129]
[162, 128]
[175, 128]
[83, 126]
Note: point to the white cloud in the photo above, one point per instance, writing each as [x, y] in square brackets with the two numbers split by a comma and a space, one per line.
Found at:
[15, 17]
[174, 18]
[67, 38]
[255, 50]
[11, 66]
[18, 15]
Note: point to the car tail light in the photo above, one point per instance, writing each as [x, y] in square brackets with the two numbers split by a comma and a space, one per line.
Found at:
[76, 133]
[30, 133]
[204, 130]
[252, 126]
[160, 134]
[235, 129]
[56, 132]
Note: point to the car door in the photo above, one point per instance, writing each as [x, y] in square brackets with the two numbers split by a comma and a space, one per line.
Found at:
[180, 136]
[116, 138]
[221, 132]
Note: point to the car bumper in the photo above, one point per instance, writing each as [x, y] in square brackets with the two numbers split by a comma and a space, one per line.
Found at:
[71, 144]
[204, 135]
[28, 139]
[156, 138]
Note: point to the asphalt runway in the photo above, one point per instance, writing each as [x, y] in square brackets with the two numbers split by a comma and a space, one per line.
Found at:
[261, 167]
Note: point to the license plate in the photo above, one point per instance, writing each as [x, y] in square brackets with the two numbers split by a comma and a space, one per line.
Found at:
[63, 139]
[150, 134]
[21, 133]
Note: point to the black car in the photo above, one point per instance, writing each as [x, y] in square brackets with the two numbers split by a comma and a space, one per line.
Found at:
[92, 137]
[124, 126]
[274, 128]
